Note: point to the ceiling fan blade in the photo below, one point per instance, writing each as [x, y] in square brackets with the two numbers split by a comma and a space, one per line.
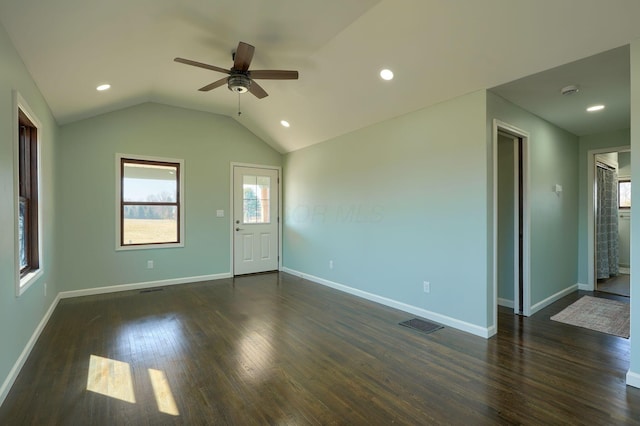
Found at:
[243, 56]
[274, 74]
[201, 65]
[214, 85]
[257, 91]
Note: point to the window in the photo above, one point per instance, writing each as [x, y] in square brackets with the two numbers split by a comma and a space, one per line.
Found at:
[256, 199]
[28, 249]
[624, 194]
[150, 202]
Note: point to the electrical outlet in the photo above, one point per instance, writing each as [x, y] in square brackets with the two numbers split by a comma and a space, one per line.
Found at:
[149, 264]
[427, 286]
[331, 264]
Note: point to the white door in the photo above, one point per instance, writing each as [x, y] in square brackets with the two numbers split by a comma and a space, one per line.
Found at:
[255, 220]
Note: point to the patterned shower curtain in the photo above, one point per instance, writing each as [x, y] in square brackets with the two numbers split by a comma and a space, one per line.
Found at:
[606, 223]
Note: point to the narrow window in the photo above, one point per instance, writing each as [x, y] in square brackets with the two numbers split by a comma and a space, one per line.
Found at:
[624, 194]
[150, 211]
[28, 250]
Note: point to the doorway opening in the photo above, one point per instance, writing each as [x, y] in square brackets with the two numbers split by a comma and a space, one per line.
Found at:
[511, 219]
[609, 220]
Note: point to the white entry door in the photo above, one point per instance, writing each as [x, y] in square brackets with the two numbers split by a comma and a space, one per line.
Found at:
[255, 220]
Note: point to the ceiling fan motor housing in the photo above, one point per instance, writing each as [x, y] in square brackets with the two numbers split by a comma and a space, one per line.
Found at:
[239, 83]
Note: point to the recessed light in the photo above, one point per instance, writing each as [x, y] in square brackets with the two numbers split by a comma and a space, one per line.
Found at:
[103, 87]
[595, 108]
[386, 74]
[285, 123]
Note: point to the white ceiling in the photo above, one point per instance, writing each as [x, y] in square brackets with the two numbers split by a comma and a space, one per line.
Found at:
[438, 49]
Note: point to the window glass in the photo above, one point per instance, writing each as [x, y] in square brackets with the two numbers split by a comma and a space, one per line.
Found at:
[256, 190]
[150, 202]
[624, 194]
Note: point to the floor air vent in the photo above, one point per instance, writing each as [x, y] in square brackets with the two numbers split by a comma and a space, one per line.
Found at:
[421, 325]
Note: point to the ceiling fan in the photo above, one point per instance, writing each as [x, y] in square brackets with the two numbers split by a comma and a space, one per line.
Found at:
[240, 79]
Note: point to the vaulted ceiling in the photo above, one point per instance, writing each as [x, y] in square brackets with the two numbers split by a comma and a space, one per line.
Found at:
[438, 49]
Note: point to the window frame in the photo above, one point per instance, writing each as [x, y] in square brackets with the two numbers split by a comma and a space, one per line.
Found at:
[620, 181]
[120, 203]
[23, 114]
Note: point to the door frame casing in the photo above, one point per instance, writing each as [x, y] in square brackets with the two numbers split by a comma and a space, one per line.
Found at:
[232, 210]
[502, 127]
[591, 210]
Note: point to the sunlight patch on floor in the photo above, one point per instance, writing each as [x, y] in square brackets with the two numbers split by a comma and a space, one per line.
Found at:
[162, 392]
[111, 378]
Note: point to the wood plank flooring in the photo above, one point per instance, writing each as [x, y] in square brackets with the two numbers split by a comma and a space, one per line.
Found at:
[276, 349]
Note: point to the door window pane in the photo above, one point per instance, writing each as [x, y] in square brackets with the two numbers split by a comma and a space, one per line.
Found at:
[256, 193]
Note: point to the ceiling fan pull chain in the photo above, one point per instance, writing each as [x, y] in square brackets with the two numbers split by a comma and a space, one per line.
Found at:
[239, 105]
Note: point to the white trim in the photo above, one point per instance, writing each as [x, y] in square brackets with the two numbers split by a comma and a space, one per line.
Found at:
[181, 213]
[505, 302]
[633, 379]
[19, 103]
[591, 253]
[17, 366]
[502, 127]
[549, 300]
[624, 270]
[141, 285]
[443, 319]
[232, 212]
[585, 287]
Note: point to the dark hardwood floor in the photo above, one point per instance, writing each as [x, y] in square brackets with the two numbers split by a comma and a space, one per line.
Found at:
[275, 349]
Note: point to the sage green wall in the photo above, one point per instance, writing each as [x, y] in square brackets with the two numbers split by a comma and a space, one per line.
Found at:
[553, 154]
[20, 316]
[634, 368]
[587, 143]
[506, 217]
[395, 204]
[624, 164]
[207, 143]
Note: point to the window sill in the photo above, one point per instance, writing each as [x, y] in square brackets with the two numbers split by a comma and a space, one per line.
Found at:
[25, 282]
[150, 246]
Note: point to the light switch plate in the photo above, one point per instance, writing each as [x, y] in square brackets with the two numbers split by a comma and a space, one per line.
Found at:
[220, 213]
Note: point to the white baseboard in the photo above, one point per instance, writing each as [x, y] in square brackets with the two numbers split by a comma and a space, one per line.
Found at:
[13, 374]
[549, 300]
[442, 319]
[633, 379]
[15, 370]
[506, 303]
[624, 270]
[142, 285]
[585, 287]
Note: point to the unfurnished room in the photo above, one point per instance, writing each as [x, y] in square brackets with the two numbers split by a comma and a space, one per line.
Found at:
[299, 212]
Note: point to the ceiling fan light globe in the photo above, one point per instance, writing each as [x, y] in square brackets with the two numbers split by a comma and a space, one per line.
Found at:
[239, 83]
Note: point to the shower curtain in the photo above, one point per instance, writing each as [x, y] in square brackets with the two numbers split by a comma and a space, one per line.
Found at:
[606, 223]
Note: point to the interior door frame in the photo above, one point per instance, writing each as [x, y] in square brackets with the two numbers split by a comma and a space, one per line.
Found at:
[591, 212]
[502, 127]
[232, 210]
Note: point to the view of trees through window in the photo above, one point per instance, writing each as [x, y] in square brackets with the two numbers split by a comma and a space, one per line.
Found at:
[150, 205]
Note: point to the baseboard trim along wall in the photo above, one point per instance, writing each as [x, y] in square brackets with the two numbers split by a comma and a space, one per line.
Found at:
[505, 302]
[549, 300]
[633, 379]
[585, 287]
[142, 285]
[13, 374]
[442, 319]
